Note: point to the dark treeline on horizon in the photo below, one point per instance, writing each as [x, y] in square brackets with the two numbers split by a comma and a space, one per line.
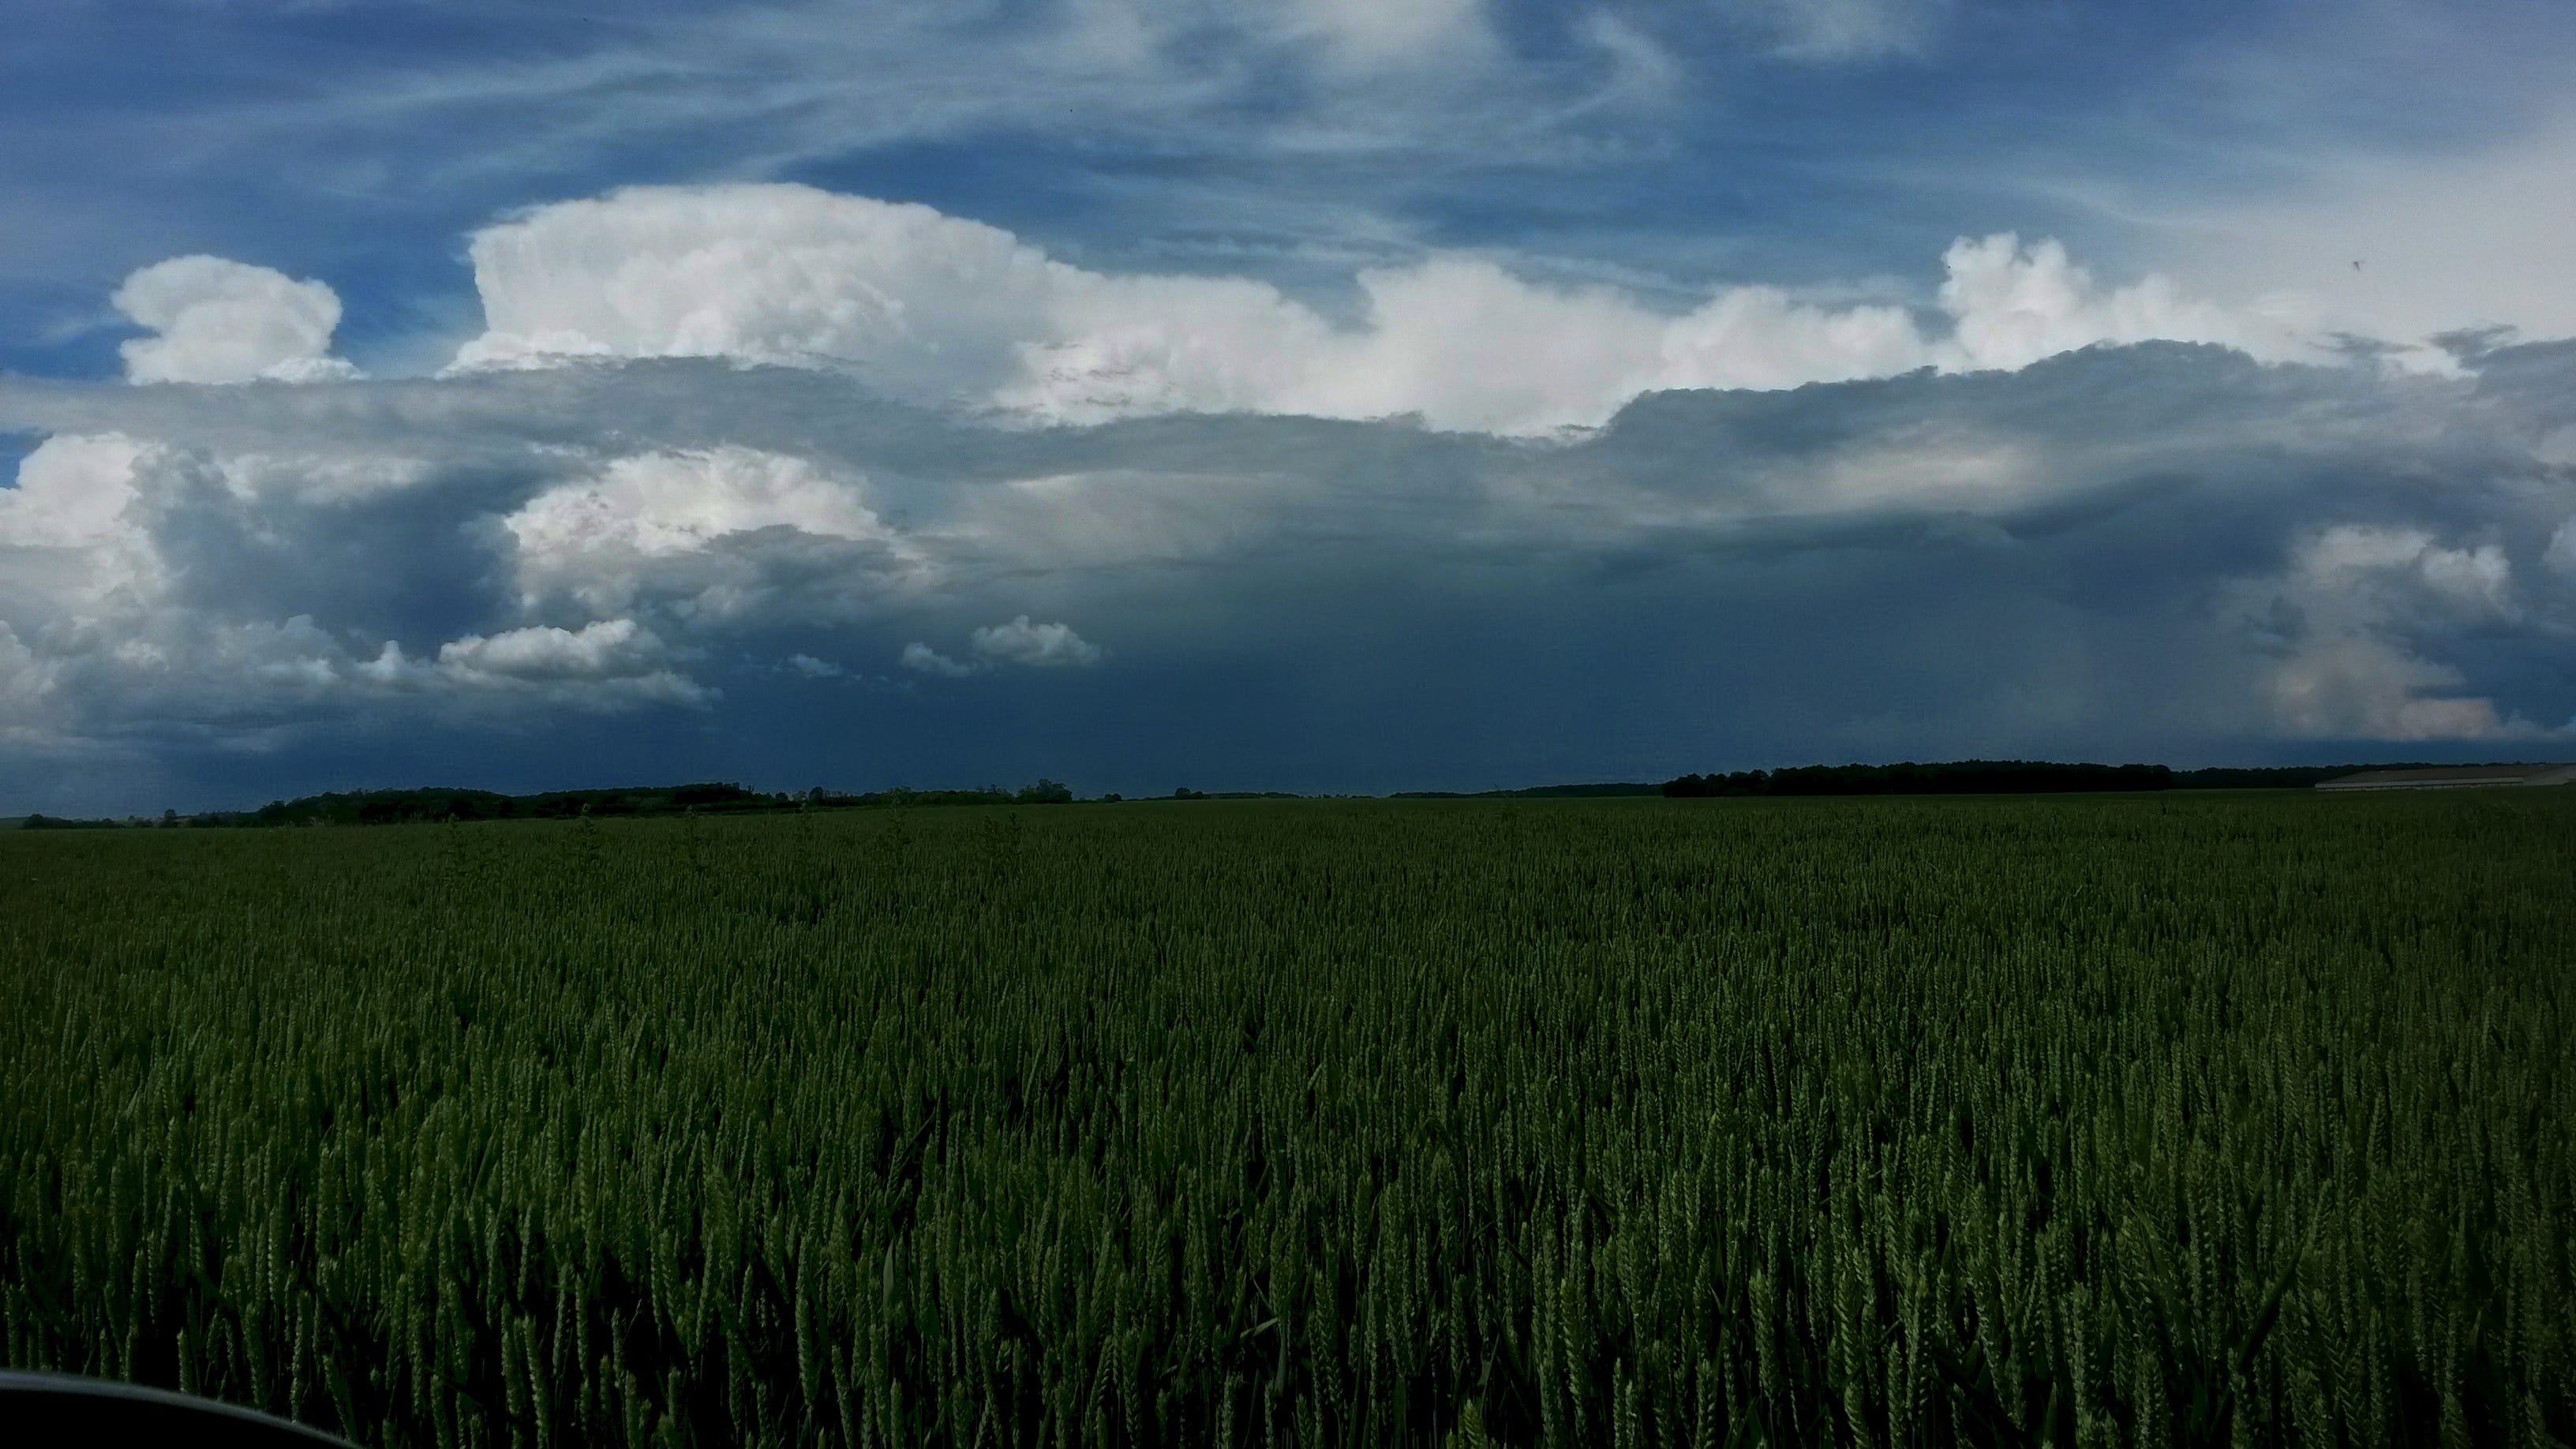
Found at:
[432, 805]
[2001, 777]
[1954, 777]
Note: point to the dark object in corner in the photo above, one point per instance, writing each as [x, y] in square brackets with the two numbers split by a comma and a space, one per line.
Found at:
[45, 1410]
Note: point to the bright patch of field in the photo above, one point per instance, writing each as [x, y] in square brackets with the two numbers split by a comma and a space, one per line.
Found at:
[2147, 1119]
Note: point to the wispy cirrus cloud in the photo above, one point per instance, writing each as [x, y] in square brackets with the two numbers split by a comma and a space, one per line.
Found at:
[1738, 141]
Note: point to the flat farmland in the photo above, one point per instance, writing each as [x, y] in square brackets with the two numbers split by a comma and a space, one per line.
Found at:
[2148, 1119]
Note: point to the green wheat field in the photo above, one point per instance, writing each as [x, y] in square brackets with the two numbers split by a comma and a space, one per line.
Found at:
[2156, 1119]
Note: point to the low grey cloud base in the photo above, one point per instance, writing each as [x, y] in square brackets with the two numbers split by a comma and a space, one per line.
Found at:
[665, 568]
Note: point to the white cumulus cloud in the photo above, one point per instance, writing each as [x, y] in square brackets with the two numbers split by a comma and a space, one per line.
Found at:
[1019, 641]
[2349, 600]
[2012, 305]
[72, 492]
[927, 306]
[1043, 646]
[606, 648]
[69, 532]
[720, 530]
[146, 583]
[922, 659]
[219, 321]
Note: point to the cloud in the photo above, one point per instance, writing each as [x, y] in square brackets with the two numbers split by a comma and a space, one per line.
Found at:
[925, 306]
[156, 587]
[2561, 554]
[1378, 33]
[799, 82]
[717, 532]
[95, 638]
[2403, 248]
[922, 659]
[1642, 71]
[603, 648]
[618, 658]
[1040, 646]
[1843, 30]
[70, 533]
[218, 321]
[2159, 550]
[2012, 305]
[1035, 646]
[25, 681]
[2346, 608]
[813, 668]
[72, 493]
[937, 310]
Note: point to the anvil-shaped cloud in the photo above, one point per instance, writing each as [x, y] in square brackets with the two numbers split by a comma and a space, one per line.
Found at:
[764, 480]
[937, 310]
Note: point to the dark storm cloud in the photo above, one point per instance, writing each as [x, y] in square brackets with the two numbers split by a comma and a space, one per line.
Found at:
[2156, 551]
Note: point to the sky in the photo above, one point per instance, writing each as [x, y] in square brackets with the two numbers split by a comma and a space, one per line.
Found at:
[1314, 395]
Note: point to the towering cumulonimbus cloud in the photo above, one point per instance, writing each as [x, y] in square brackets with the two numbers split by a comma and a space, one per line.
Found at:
[2118, 546]
[2010, 305]
[219, 321]
[714, 439]
[939, 310]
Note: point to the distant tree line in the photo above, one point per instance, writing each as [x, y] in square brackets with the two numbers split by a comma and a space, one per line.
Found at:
[436, 805]
[1604, 791]
[1999, 777]
[2294, 777]
[429, 806]
[1955, 777]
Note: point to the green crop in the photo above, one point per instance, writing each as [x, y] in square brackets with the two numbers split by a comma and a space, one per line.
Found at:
[2169, 1119]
